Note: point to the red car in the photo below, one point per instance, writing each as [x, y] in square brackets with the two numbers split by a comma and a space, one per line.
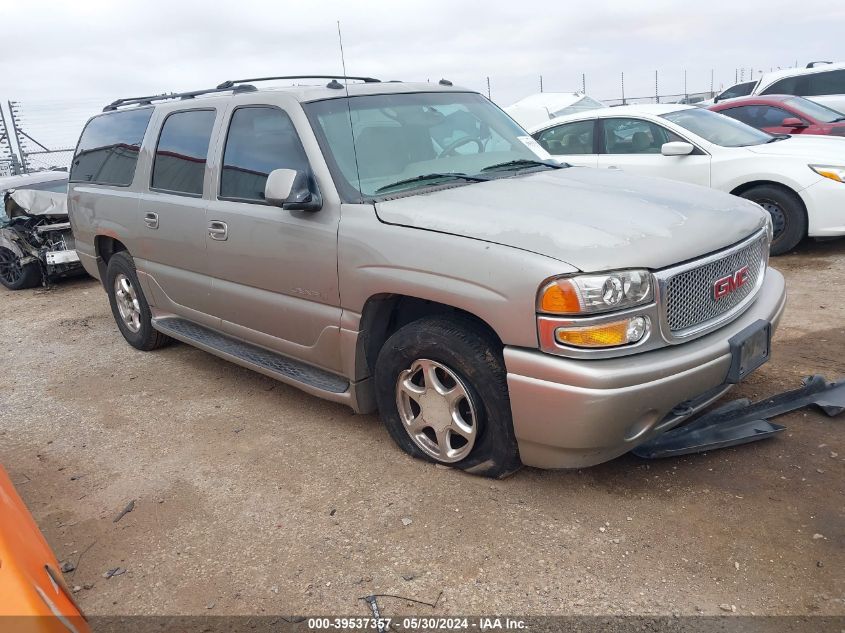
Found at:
[783, 114]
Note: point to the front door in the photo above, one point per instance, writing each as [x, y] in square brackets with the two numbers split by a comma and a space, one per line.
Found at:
[274, 272]
[634, 145]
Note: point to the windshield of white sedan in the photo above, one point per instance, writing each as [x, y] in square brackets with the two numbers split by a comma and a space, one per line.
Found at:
[717, 128]
[409, 141]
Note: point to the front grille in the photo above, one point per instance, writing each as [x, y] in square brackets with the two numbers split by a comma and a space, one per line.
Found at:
[689, 294]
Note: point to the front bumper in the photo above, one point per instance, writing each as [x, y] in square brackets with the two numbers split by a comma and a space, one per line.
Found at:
[573, 413]
[825, 203]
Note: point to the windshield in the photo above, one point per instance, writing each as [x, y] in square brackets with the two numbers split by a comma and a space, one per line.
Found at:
[815, 110]
[409, 141]
[717, 128]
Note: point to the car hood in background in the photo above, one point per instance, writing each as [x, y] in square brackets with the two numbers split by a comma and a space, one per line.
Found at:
[36, 202]
[814, 148]
[592, 219]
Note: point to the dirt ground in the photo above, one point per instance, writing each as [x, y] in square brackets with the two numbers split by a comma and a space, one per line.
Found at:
[252, 497]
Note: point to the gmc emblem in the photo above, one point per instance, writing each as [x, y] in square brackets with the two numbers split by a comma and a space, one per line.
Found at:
[726, 285]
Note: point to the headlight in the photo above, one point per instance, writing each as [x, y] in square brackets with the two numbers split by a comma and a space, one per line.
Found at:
[591, 294]
[829, 171]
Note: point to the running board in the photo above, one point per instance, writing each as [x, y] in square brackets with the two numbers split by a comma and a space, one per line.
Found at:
[251, 356]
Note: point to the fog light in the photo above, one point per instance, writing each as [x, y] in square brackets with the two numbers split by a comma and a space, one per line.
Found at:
[636, 329]
[610, 334]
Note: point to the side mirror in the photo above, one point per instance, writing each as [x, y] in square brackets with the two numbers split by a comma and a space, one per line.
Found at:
[793, 122]
[677, 148]
[292, 190]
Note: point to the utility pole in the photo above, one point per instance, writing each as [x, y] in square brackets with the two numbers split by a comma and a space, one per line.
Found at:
[541, 83]
[686, 94]
[711, 82]
[623, 89]
[488, 88]
[656, 91]
[584, 83]
[16, 130]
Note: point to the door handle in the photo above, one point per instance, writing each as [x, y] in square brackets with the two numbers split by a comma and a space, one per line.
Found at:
[218, 231]
[151, 220]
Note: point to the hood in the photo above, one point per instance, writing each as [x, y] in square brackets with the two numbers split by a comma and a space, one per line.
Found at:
[814, 148]
[589, 218]
[35, 202]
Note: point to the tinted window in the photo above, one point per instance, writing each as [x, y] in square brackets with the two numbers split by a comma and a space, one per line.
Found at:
[635, 136]
[739, 90]
[759, 116]
[571, 138]
[260, 140]
[788, 86]
[108, 149]
[183, 151]
[827, 83]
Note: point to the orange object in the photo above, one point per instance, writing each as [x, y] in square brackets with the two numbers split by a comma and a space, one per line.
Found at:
[33, 595]
[560, 297]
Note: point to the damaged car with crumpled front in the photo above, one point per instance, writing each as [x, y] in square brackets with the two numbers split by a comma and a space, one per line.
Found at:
[36, 242]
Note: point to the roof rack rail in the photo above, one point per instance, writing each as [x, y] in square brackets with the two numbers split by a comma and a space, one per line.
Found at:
[114, 105]
[229, 84]
[814, 64]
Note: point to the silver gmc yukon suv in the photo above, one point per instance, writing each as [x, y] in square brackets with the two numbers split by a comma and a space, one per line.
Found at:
[408, 248]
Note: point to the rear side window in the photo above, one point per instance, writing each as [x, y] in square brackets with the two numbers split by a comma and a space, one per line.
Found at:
[571, 138]
[260, 140]
[788, 86]
[108, 148]
[825, 83]
[182, 152]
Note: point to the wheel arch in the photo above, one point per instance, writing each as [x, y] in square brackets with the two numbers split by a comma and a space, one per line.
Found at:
[384, 313]
[741, 189]
[104, 247]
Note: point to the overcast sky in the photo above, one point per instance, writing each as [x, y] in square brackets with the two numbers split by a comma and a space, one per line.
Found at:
[62, 58]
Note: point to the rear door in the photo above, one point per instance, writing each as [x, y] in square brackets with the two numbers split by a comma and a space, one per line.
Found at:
[573, 143]
[172, 210]
[634, 145]
[275, 280]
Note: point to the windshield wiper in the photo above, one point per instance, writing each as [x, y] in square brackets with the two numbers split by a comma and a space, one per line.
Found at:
[524, 162]
[455, 175]
[842, 118]
[778, 137]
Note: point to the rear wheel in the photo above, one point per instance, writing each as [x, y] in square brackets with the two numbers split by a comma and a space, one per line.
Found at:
[129, 306]
[442, 393]
[17, 276]
[789, 219]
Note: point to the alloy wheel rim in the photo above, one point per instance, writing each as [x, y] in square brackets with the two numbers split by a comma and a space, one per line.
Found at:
[436, 410]
[126, 299]
[10, 266]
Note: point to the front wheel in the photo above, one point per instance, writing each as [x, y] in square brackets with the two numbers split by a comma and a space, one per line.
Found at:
[17, 276]
[442, 393]
[789, 220]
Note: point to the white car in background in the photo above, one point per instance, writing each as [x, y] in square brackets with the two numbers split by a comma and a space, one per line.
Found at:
[800, 181]
[822, 82]
[543, 106]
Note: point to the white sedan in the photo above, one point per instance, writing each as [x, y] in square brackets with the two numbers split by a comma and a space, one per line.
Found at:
[800, 181]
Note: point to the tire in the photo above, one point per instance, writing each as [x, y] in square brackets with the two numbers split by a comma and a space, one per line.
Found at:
[16, 277]
[467, 361]
[788, 215]
[130, 309]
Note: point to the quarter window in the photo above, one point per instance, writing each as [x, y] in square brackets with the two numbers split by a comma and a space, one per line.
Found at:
[182, 152]
[635, 136]
[107, 152]
[260, 140]
[571, 138]
[831, 82]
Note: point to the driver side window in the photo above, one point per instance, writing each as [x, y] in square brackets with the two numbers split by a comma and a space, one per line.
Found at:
[635, 136]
